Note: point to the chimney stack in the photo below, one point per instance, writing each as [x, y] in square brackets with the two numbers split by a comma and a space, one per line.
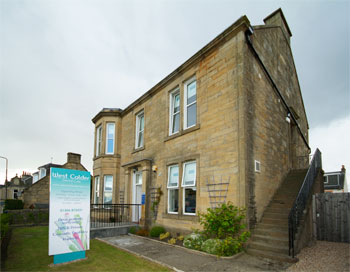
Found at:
[73, 157]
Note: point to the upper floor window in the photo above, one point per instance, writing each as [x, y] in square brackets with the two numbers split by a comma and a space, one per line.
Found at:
[140, 123]
[110, 131]
[190, 103]
[42, 173]
[174, 112]
[98, 140]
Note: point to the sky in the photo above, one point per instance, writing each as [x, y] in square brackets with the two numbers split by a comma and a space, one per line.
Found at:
[63, 61]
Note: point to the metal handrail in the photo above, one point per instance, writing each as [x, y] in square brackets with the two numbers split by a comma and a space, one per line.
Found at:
[111, 215]
[300, 202]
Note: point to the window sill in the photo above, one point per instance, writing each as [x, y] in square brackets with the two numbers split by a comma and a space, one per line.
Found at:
[182, 132]
[107, 156]
[186, 217]
[138, 149]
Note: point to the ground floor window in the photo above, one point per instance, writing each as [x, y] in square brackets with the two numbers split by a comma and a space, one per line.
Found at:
[108, 189]
[187, 191]
[97, 190]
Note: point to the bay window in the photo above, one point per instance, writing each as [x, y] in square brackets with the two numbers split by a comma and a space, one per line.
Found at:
[98, 140]
[108, 189]
[110, 131]
[97, 190]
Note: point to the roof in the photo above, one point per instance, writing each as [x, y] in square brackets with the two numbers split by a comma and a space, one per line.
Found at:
[334, 180]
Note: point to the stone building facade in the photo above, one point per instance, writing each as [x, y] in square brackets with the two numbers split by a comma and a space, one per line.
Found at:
[231, 117]
[38, 194]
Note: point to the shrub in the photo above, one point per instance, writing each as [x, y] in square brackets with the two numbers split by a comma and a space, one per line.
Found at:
[193, 241]
[222, 222]
[164, 236]
[13, 204]
[5, 221]
[134, 229]
[212, 246]
[172, 241]
[156, 231]
[231, 246]
[180, 238]
[142, 232]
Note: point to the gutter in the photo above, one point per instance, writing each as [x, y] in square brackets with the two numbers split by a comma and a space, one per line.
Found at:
[248, 33]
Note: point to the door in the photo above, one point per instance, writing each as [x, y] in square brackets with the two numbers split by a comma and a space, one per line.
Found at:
[137, 196]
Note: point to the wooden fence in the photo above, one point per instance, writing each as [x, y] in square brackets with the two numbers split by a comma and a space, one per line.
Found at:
[332, 217]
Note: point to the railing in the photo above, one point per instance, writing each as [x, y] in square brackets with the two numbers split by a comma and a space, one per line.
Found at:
[111, 215]
[300, 202]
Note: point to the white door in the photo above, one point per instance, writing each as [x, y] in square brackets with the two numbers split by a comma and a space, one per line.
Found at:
[136, 196]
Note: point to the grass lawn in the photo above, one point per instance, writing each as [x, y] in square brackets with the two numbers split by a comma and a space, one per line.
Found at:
[28, 251]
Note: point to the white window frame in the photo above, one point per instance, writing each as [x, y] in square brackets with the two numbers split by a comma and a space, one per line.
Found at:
[98, 140]
[138, 131]
[257, 166]
[170, 188]
[42, 173]
[188, 82]
[96, 189]
[113, 138]
[183, 174]
[104, 187]
[15, 193]
[171, 111]
[189, 186]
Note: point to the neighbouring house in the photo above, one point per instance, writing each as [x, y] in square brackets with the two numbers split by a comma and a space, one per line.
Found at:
[229, 124]
[37, 195]
[335, 182]
[14, 188]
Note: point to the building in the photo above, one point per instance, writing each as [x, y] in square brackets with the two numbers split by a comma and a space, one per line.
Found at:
[229, 124]
[335, 182]
[37, 195]
[14, 188]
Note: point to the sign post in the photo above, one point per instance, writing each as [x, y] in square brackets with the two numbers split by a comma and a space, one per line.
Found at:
[69, 223]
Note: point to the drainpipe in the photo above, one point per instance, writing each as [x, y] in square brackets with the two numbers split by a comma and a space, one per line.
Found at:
[248, 34]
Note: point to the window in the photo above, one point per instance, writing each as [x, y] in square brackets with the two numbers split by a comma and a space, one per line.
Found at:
[110, 138]
[98, 140]
[35, 177]
[97, 190]
[174, 124]
[173, 189]
[15, 194]
[190, 104]
[189, 185]
[108, 189]
[139, 129]
[257, 166]
[42, 173]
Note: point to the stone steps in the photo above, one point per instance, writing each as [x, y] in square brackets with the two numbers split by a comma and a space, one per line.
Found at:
[270, 239]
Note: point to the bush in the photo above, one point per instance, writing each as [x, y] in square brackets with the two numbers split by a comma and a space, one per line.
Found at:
[231, 246]
[5, 221]
[172, 241]
[222, 222]
[193, 241]
[13, 204]
[142, 232]
[134, 229]
[163, 236]
[156, 231]
[212, 246]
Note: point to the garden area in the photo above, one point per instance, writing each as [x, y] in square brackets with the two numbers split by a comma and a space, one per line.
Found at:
[28, 251]
[223, 232]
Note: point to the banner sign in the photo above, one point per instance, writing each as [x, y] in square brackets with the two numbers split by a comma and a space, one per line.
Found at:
[69, 224]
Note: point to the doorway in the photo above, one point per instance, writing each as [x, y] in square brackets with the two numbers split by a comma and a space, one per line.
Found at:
[136, 195]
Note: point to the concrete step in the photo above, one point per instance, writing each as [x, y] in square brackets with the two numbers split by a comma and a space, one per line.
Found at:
[277, 210]
[271, 255]
[273, 233]
[275, 221]
[269, 240]
[267, 247]
[272, 227]
[274, 215]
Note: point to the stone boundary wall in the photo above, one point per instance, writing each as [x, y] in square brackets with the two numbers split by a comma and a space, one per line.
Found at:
[29, 217]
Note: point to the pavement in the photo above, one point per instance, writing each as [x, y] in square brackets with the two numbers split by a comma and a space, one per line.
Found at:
[182, 259]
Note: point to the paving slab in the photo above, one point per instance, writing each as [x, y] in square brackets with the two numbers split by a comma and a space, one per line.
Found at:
[182, 259]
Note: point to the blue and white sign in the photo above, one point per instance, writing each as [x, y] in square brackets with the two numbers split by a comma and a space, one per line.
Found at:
[69, 224]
